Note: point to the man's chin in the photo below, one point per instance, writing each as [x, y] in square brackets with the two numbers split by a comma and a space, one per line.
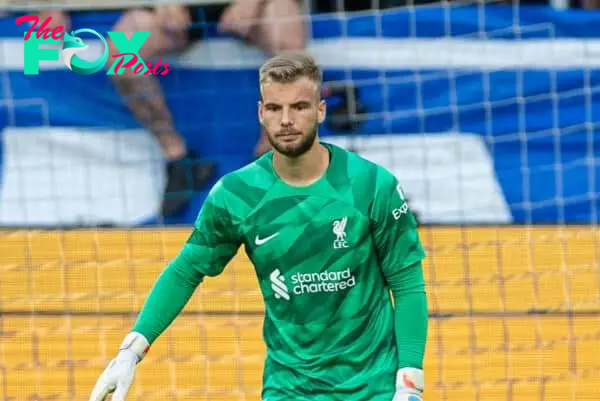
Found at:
[292, 146]
[289, 151]
[292, 149]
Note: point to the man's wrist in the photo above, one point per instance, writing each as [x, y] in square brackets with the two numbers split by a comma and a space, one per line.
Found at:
[410, 378]
[136, 343]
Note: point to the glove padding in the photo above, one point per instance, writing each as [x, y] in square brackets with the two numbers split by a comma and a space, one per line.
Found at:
[119, 374]
[409, 385]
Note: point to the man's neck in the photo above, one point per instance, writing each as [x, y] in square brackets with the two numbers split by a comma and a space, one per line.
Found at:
[302, 170]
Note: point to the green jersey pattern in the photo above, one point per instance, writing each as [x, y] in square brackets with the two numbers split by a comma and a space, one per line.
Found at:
[321, 255]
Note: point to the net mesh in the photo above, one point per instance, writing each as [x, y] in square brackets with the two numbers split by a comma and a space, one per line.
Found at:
[512, 316]
[515, 310]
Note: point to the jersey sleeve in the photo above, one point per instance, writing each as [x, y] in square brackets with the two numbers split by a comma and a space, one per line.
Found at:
[215, 238]
[394, 225]
[211, 245]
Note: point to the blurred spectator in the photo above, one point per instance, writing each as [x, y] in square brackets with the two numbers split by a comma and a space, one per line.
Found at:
[272, 25]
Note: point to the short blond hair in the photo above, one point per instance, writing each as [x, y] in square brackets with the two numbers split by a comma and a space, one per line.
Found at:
[288, 67]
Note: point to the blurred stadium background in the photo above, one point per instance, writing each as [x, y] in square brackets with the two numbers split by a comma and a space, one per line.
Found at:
[487, 112]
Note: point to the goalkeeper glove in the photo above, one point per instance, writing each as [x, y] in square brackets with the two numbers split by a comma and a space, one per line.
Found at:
[409, 385]
[119, 373]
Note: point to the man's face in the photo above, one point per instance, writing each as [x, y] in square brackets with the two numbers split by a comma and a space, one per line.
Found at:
[290, 114]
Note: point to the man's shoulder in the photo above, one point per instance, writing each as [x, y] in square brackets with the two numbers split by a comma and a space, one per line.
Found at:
[257, 173]
[362, 171]
[247, 183]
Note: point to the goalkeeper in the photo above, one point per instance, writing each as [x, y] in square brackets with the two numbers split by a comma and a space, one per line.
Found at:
[330, 236]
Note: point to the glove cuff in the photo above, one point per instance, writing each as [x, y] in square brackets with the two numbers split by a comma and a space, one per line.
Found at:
[137, 343]
[410, 378]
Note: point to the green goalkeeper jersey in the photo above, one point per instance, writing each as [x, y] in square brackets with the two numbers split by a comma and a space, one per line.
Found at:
[322, 253]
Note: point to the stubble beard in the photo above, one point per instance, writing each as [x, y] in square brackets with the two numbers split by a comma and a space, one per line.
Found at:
[295, 149]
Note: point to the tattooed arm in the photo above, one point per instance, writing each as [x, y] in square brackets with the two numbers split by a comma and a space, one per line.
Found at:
[142, 93]
[144, 96]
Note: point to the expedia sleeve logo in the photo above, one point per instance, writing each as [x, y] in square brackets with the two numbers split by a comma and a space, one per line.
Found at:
[398, 212]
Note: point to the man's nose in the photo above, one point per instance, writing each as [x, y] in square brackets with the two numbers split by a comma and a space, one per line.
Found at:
[286, 118]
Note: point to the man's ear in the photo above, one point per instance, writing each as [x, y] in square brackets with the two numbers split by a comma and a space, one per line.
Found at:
[260, 111]
[322, 110]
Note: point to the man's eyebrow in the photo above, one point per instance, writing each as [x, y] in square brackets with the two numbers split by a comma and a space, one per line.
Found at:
[296, 103]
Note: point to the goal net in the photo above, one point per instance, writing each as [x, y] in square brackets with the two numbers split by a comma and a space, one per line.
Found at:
[486, 113]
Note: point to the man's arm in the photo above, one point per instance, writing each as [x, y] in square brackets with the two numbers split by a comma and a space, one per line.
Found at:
[144, 97]
[400, 254]
[143, 93]
[212, 244]
[408, 289]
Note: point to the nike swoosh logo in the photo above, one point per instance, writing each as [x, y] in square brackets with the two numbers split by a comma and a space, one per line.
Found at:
[260, 241]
